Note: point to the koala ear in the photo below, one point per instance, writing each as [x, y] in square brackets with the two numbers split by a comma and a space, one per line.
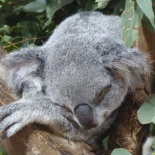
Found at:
[132, 66]
[20, 66]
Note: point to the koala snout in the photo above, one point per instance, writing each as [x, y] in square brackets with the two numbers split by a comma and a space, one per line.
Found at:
[85, 117]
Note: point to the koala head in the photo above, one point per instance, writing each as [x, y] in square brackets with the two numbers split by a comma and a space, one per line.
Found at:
[90, 97]
[93, 80]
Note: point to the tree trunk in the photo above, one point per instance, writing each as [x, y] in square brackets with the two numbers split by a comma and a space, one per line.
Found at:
[126, 131]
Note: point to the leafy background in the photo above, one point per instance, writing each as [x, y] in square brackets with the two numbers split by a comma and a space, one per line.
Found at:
[31, 22]
[25, 22]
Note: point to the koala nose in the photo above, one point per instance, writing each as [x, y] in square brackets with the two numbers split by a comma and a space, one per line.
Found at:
[84, 114]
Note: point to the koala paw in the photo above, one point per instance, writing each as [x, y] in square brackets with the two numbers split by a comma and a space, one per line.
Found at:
[68, 114]
[13, 117]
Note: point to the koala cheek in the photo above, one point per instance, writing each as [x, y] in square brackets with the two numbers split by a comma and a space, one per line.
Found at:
[85, 116]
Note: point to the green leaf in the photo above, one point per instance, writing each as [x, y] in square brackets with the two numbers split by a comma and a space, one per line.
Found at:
[2, 152]
[6, 38]
[146, 6]
[5, 29]
[131, 20]
[120, 151]
[153, 144]
[139, 13]
[102, 3]
[152, 129]
[64, 2]
[36, 6]
[90, 5]
[146, 113]
[54, 5]
[105, 143]
[148, 24]
[47, 23]
[50, 10]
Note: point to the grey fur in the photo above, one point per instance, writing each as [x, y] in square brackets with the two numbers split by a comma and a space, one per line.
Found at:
[84, 56]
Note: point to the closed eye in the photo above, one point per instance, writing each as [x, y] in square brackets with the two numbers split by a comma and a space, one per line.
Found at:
[99, 96]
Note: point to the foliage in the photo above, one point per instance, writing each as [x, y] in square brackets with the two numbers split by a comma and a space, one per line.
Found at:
[120, 151]
[131, 19]
[102, 3]
[153, 146]
[105, 142]
[3, 152]
[27, 22]
[146, 113]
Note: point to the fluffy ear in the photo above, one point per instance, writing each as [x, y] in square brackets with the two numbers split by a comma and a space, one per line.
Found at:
[132, 66]
[21, 66]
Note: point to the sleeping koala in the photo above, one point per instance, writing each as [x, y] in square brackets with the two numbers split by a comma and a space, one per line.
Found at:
[74, 82]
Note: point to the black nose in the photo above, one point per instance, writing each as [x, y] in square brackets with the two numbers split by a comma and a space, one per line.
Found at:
[84, 114]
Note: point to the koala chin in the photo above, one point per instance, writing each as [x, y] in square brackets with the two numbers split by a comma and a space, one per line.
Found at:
[75, 81]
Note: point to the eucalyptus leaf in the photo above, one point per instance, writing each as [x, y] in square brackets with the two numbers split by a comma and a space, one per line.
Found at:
[3, 152]
[152, 129]
[153, 144]
[6, 29]
[47, 23]
[146, 113]
[130, 19]
[64, 2]
[146, 6]
[140, 15]
[102, 3]
[6, 38]
[148, 24]
[120, 151]
[90, 5]
[105, 142]
[54, 5]
[29, 28]
[60, 3]
[50, 10]
[36, 6]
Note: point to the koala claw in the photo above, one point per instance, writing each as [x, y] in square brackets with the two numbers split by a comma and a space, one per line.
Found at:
[9, 131]
[71, 119]
[64, 108]
[12, 118]
[68, 114]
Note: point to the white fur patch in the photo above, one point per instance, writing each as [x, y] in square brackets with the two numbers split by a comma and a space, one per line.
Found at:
[146, 150]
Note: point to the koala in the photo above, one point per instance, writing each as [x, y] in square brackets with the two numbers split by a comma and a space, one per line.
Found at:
[76, 81]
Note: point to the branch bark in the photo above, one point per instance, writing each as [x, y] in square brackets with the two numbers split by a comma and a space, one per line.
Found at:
[129, 133]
